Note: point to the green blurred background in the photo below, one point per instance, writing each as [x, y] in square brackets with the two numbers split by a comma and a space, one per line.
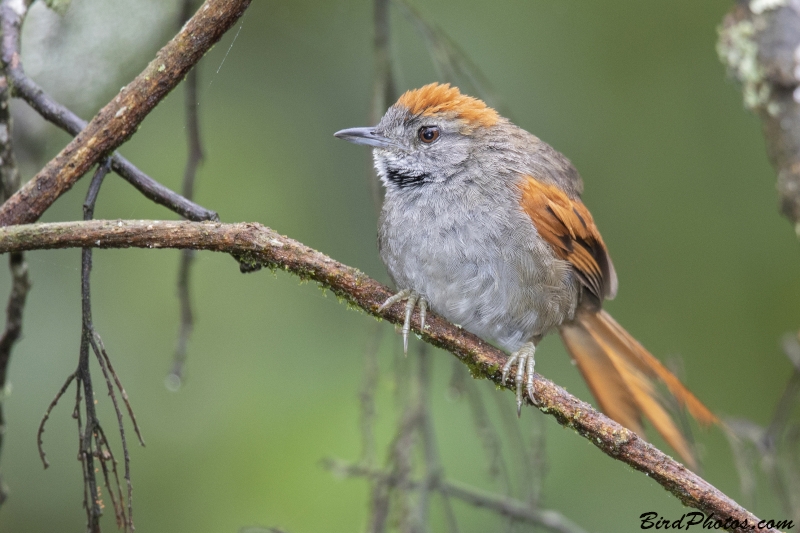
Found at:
[631, 91]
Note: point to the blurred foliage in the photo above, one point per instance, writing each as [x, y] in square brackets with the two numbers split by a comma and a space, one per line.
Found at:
[631, 91]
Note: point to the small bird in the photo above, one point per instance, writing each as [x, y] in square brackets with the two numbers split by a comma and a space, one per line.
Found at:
[483, 223]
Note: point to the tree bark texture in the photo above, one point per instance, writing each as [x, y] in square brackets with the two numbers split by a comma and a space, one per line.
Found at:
[256, 245]
[120, 118]
[759, 42]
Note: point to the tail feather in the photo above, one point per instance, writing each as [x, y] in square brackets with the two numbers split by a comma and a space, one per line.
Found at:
[606, 384]
[648, 362]
[621, 374]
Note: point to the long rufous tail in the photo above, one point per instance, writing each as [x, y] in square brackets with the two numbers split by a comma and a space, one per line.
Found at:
[622, 375]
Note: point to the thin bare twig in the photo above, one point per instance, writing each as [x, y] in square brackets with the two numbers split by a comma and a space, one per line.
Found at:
[106, 363]
[119, 119]
[102, 445]
[401, 470]
[788, 400]
[414, 426]
[106, 456]
[430, 453]
[450, 61]
[92, 442]
[461, 387]
[20, 284]
[534, 463]
[43, 422]
[256, 244]
[509, 507]
[367, 396]
[86, 451]
[793, 469]
[490, 440]
[772, 449]
[384, 92]
[430, 449]
[193, 159]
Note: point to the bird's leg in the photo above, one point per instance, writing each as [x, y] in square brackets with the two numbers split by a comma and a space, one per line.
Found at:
[412, 299]
[525, 364]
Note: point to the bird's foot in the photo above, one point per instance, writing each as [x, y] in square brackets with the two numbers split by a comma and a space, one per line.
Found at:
[525, 362]
[413, 299]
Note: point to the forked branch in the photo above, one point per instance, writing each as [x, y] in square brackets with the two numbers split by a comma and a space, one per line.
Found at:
[12, 15]
[120, 118]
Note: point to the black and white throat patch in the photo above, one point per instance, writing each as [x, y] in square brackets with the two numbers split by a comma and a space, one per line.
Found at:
[404, 179]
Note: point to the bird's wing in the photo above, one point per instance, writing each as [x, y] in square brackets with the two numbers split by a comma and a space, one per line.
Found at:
[567, 226]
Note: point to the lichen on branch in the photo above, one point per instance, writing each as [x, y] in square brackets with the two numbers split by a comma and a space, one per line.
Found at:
[759, 43]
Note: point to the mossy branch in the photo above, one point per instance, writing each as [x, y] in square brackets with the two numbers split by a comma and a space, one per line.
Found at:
[263, 246]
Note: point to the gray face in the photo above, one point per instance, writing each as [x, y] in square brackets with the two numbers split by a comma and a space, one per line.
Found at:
[411, 161]
[402, 156]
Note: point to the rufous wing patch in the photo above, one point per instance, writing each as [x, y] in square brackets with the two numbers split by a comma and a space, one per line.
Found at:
[568, 227]
[435, 98]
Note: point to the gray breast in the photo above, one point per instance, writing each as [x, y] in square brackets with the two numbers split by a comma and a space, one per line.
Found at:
[477, 259]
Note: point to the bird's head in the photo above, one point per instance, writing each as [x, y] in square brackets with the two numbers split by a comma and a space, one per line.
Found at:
[428, 136]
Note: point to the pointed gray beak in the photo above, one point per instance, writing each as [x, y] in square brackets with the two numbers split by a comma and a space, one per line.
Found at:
[365, 136]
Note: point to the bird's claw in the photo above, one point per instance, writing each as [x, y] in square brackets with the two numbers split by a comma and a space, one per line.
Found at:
[413, 299]
[525, 364]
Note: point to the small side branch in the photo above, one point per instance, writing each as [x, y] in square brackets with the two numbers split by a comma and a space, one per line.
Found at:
[92, 500]
[20, 284]
[93, 444]
[434, 477]
[508, 507]
[772, 449]
[449, 60]
[65, 119]
[120, 118]
[46, 417]
[384, 92]
[259, 245]
[193, 159]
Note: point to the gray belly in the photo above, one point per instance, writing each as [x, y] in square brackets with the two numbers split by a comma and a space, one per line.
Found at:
[504, 284]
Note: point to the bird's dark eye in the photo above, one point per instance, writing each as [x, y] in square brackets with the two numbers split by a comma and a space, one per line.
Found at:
[428, 134]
